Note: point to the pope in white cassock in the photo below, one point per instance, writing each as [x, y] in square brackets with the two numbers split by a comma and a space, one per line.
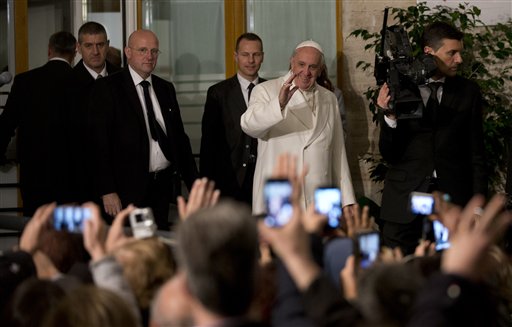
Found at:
[293, 114]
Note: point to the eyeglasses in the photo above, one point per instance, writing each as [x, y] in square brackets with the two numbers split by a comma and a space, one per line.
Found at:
[144, 51]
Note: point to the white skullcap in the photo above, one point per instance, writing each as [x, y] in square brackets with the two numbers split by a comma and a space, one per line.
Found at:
[310, 43]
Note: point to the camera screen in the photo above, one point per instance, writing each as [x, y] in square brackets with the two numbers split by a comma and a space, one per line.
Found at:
[328, 203]
[369, 247]
[70, 219]
[422, 203]
[441, 234]
[277, 194]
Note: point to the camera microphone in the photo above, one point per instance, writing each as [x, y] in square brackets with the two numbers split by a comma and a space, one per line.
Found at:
[5, 78]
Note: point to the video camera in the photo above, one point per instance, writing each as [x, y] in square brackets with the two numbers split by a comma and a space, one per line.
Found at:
[396, 66]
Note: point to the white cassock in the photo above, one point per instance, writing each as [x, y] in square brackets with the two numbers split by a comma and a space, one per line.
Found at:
[309, 127]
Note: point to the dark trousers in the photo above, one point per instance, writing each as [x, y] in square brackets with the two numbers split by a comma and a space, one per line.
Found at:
[159, 195]
[405, 236]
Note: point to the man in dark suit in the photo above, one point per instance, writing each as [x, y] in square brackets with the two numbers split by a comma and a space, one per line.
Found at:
[93, 45]
[442, 151]
[39, 106]
[228, 155]
[139, 143]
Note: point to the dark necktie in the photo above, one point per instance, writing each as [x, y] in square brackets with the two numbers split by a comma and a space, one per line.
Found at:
[250, 87]
[156, 131]
[99, 76]
[433, 101]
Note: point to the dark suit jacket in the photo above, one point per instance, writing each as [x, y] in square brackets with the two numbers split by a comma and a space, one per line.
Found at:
[38, 105]
[120, 139]
[82, 87]
[225, 148]
[452, 145]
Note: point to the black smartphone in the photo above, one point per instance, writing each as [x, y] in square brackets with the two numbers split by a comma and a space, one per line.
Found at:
[421, 203]
[441, 235]
[70, 218]
[277, 194]
[367, 247]
[328, 203]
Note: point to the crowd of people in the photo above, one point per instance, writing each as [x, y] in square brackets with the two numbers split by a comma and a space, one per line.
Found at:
[111, 140]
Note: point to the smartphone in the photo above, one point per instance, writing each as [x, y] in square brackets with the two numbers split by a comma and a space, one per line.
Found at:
[441, 235]
[421, 203]
[367, 248]
[143, 223]
[277, 194]
[328, 203]
[70, 218]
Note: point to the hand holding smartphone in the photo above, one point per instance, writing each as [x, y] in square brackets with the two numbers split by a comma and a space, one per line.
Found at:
[70, 218]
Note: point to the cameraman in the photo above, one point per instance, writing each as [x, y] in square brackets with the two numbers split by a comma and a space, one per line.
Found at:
[443, 150]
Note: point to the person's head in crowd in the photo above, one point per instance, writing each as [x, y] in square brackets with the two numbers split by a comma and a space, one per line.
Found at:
[62, 45]
[15, 267]
[147, 264]
[323, 79]
[172, 304]
[249, 55]
[64, 249]
[444, 42]
[91, 306]
[386, 293]
[217, 250]
[31, 302]
[306, 63]
[142, 52]
[93, 45]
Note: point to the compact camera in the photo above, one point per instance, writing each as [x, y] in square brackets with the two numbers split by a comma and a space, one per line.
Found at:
[70, 218]
[143, 223]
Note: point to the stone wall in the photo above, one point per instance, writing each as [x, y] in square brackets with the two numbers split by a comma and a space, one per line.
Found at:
[362, 135]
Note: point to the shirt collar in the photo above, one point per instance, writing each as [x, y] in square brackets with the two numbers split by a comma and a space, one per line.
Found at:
[59, 59]
[137, 78]
[93, 72]
[245, 83]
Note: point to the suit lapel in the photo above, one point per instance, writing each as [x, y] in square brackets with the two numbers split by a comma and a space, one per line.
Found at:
[133, 97]
[449, 93]
[321, 116]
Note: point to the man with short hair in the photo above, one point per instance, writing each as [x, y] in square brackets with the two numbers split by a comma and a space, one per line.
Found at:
[294, 114]
[93, 45]
[228, 155]
[218, 254]
[443, 150]
[38, 105]
[141, 150]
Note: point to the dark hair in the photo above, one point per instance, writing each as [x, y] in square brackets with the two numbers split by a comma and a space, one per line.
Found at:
[217, 249]
[434, 34]
[323, 79]
[250, 37]
[91, 28]
[31, 302]
[63, 43]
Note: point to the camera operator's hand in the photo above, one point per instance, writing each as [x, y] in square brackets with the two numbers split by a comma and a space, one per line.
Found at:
[383, 102]
[31, 237]
[94, 233]
[116, 236]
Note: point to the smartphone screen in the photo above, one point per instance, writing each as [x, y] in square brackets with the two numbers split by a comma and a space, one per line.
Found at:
[441, 235]
[277, 193]
[368, 245]
[421, 203]
[70, 218]
[328, 203]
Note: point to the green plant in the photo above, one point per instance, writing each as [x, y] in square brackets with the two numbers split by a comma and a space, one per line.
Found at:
[487, 61]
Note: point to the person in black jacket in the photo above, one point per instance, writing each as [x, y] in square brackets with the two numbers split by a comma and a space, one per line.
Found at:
[443, 150]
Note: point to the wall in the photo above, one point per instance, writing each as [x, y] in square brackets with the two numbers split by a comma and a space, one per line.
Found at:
[362, 135]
